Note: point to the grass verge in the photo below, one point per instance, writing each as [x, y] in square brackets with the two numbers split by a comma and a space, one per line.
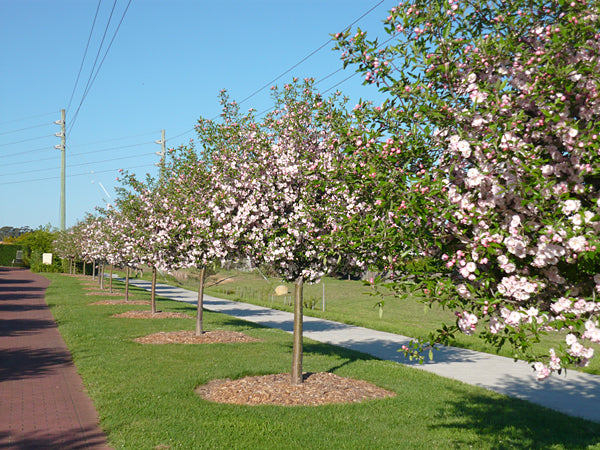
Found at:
[352, 302]
[145, 393]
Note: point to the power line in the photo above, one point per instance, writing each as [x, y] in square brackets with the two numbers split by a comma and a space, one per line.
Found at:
[118, 139]
[89, 85]
[112, 148]
[76, 165]
[84, 54]
[29, 117]
[26, 128]
[292, 68]
[75, 175]
[20, 153]
[26, 140]
[306, 57]
[181, 134]
[78, 154]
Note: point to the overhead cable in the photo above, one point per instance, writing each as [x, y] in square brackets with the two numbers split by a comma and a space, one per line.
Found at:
[91, 80]
[84, 54]
[26, 128]
[76, 174]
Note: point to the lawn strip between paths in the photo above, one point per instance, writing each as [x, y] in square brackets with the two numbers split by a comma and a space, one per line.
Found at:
[146, 398]
[573, 393]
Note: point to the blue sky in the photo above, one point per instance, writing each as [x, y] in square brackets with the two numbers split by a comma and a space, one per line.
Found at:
[164, 70]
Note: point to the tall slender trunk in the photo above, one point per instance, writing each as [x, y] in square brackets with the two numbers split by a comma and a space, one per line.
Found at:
[199, 317]
[110, 279]
[126, 283]
[94, 270]
[153, 292]
[84, 267]
[297, 349]
[101, 275]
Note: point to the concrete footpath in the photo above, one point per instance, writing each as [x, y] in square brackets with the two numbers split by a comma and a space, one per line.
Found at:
[576, 394]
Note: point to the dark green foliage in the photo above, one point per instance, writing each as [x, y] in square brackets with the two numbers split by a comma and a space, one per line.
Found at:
[8, 253]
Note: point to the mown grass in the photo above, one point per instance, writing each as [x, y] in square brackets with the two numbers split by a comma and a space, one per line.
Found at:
[353, 302]
[145, 393]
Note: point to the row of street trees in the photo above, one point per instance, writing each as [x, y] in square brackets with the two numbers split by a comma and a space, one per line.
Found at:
[484, 162]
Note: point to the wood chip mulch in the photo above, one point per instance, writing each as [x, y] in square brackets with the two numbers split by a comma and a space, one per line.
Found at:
[121, 302]
[189, 337]
[103, 293]
[150, 315]
[318, 389]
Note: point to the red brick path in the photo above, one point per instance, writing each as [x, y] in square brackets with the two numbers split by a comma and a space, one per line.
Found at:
[43, 404]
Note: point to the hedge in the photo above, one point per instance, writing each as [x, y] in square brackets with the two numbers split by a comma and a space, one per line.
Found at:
[8, 252]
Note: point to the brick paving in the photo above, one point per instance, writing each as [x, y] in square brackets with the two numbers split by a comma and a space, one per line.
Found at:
[43, 404]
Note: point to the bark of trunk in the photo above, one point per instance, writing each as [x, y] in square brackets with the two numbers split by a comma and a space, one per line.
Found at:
[153, 292]
[84, 268]
[200, 307]
[298, 321]
[110, 280]
[101, 275]
[127, 283]
[94, 270]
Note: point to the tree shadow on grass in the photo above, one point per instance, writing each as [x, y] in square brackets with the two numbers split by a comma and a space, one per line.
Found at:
[238, 323]
[71, 439]
[521, 425]
[518, 423]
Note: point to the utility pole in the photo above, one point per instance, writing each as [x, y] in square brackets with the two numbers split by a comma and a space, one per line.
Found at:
[63, 139]
[162, 142]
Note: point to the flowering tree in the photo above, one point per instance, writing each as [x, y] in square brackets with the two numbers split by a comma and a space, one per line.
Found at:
[491, 128]
[274, 182]
[155, 234]
[65, 245]
[190, 191]
[95, 242]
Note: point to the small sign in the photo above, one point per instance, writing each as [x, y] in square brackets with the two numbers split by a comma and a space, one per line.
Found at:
[47, 258]
[281, 290]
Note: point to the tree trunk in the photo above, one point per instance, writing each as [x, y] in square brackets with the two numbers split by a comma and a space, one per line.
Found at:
[127, 283]
[84, 268]
[94, 270]
[101, 275]
[110, 279]
[153, 292]
[199, 318]
[297, 349]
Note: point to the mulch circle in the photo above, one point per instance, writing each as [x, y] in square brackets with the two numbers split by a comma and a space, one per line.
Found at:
[151, 315]
[189, 337]
[121, 302]
[317, 389]
[103, 293]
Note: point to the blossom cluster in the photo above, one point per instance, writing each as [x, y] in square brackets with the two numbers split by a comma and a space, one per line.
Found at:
[497, 115]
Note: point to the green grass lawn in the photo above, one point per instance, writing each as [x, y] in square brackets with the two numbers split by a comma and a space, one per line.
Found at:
[352, 302]
[145, 393]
